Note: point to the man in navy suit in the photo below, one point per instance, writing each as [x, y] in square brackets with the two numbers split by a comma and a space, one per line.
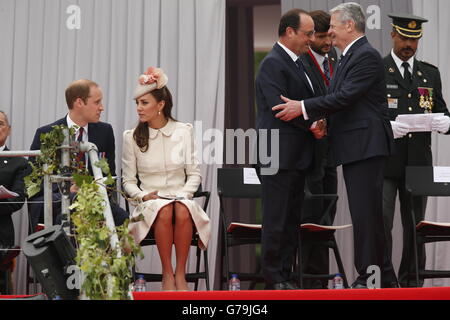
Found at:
[84, 100]
[320, 63]
[360, 134]
[282, 73]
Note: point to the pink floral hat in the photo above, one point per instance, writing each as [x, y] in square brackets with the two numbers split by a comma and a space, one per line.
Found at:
[153, 78]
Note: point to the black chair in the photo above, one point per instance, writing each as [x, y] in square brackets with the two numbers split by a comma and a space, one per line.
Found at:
[190, 277]
[419, 181]
[230, 185]
[322, 235]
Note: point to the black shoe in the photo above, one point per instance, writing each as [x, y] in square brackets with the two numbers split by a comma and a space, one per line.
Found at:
[286, 285]
[393, 284]
[358, 285]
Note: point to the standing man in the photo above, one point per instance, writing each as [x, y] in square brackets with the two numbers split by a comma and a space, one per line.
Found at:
[12, 172]
[360, 134]
[282, 73]
[320, 62]
[84, 100]
[410, 85]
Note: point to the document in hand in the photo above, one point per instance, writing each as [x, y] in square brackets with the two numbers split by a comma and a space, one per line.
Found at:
[6, 194]
[418, 122]
[169, 197]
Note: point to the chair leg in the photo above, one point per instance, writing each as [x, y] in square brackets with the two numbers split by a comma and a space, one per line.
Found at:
[197, 267]
[299, 260]
[205, 257]
[227, 266]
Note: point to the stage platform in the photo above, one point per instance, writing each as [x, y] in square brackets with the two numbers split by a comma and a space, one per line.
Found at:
[439, 293]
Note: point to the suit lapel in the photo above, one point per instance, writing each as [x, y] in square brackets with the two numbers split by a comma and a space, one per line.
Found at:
[293, 66]
[393, 71]
[344, 62]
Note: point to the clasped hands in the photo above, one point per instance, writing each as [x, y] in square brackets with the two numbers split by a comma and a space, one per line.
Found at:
[292, 109]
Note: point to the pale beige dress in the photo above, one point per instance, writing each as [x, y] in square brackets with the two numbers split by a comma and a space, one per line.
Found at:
[169, 166]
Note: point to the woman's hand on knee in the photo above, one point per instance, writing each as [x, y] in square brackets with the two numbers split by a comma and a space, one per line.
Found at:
[151, 196]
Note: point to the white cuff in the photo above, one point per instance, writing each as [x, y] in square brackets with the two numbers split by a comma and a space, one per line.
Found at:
[305, 115]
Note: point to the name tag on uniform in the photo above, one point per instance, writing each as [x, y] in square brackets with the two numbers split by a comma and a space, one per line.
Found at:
[393, 103]
[392, 86]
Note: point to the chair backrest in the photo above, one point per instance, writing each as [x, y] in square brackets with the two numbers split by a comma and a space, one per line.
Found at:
[419, 181]
[230, 184]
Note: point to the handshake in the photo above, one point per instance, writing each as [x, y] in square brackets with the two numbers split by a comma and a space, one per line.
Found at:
[439, 124]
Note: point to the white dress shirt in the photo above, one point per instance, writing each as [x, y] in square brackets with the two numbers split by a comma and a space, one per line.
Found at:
[294, 58]
[398, 63]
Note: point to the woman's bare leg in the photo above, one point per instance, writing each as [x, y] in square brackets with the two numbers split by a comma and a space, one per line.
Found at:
[163, 229]
[182, 239]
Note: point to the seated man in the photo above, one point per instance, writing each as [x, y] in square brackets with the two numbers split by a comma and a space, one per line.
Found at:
[84, 100]
[12, 172]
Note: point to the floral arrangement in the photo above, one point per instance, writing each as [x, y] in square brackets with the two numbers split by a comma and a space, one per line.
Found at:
[154, 75]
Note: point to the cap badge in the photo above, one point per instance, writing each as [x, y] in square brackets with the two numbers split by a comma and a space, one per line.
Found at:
[412, 25]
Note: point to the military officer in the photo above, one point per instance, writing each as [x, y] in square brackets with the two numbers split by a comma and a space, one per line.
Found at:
[413, 87]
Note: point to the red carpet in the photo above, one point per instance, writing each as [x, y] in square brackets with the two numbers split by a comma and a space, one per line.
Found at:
[440, 293]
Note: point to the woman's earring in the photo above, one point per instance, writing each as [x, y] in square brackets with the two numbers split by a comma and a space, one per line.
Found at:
[159, 112]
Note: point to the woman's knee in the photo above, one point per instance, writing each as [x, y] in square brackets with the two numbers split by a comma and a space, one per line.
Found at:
[165, 214]
[182, 214]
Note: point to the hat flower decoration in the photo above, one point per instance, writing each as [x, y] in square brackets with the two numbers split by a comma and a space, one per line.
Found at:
[153, 78]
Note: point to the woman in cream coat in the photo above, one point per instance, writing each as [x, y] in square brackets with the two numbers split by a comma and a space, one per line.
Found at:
[160, 155]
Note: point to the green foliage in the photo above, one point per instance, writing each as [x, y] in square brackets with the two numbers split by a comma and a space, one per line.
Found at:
[50, 154]
[106, 275]
[106, 270]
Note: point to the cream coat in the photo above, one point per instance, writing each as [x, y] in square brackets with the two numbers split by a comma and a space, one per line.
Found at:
[169, 166]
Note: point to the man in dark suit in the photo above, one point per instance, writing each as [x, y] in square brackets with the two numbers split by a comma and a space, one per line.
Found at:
[84, 100]
[360, 133]
[282, 73]
[410, 85]
[12, 172]
[320, 62]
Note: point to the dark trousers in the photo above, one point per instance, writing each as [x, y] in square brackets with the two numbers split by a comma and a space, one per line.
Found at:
[282, 197]
[364, 183]
[390, 188]
[315, 258]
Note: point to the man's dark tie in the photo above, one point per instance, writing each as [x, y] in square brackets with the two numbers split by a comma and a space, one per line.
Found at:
[407, 74]
[80, 156]
[326, 69]
[299, 64]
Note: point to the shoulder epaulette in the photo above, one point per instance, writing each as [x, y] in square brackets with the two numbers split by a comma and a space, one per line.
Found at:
[429, 64]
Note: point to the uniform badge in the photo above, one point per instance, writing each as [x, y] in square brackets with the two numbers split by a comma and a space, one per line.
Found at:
[391, 70]
[419, 73]
[426, 99]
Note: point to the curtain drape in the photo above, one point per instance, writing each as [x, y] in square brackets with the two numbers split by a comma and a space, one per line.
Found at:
[46, 44]
[434, 48]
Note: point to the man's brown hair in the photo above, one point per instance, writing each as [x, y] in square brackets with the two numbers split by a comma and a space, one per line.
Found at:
[321, 20]
[79, 89]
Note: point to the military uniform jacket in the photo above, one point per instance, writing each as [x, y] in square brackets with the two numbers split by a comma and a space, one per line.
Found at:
[414, 149]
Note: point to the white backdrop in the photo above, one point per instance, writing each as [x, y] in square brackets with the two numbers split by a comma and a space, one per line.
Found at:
[434, 48]
[44, 47]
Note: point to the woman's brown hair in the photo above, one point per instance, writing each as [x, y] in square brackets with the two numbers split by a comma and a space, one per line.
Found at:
[140, 134]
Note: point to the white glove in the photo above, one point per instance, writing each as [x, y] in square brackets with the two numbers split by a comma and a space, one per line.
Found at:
[440, 124]
[400, 129]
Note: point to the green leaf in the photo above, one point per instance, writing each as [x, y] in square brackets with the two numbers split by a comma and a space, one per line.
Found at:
[82, 178]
